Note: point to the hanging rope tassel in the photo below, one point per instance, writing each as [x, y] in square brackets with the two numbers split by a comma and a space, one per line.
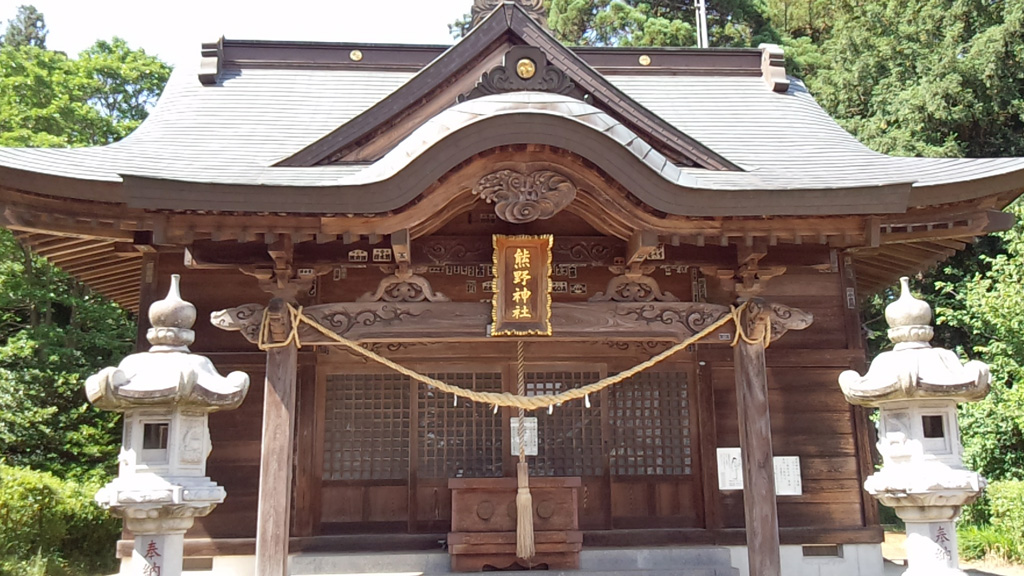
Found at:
[525, 547]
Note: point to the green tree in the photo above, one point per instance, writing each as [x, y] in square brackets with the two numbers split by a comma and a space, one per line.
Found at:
[988, 308]
[926, 77]
[657, 23]
[48, 99]
[28, 28]
[53, 331]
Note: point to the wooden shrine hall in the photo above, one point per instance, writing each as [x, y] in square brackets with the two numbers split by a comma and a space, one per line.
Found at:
[321, 197]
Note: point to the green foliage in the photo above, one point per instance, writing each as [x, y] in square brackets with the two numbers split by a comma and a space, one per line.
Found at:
[984, 309]
[52, 526]
[48, 99]
[979, 542]
[926, 77]
[28, 28]
[1006, 502]
[657, 23]
[977, 513]
[994, 526]
[54, 333]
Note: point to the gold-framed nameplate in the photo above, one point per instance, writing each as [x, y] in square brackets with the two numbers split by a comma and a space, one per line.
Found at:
[522, 285]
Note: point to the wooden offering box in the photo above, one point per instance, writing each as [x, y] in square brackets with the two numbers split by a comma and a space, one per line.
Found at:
[484, 524]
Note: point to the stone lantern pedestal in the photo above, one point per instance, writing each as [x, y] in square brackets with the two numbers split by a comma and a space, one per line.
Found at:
[916, 389]
[166, 395]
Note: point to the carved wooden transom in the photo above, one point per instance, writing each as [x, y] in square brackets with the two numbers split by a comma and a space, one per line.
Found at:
[519, 198]
[524, 68]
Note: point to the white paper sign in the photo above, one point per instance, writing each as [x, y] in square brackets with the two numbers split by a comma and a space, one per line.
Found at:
[787, 476]
[730, 469]
[787, 472]
[530, 424]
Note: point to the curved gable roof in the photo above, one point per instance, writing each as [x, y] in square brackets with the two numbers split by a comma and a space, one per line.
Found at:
[510, 25]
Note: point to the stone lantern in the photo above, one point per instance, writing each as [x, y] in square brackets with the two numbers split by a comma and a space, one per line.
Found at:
[916, 389]
[166, 395]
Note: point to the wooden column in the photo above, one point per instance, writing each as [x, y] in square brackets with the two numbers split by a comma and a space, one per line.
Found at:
[759, 506]
[272, 520]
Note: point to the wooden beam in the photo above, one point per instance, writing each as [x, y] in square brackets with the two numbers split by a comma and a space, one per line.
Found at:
[640, 246]
[106, 283]
[273, 512]
[467, 321]
[400, 246]
[101, 267]
[122, 295]
[42, 245]
[759, 505]
[872, 231]
[92, 247]
[115, 287]
[113, 271]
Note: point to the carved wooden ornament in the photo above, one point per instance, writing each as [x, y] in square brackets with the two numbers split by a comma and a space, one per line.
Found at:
[482, 8]
[522, 286]
[520, 198]
[523, 68]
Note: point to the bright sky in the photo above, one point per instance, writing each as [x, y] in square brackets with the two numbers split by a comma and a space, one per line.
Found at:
[173, 30]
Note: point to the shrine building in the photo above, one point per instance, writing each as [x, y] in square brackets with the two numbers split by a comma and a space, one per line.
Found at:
[316, 194]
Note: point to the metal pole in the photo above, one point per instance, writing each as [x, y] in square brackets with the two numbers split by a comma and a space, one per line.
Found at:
[702, 24]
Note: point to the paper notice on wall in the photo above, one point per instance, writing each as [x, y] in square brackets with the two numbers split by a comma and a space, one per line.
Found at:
[530, 424]
[787, 476]
[787, 472]
[730, 469]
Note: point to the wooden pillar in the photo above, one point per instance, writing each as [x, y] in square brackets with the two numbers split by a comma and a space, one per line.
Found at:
[272, 520]
[759, 506]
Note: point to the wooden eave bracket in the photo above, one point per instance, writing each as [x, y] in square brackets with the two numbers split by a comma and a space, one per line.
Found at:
[748, 279]
[909, 229]
[282, 279]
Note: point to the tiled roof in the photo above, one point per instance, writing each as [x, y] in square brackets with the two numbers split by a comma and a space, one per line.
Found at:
[235, 131]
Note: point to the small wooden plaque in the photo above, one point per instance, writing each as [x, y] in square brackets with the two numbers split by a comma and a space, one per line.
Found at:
[522, 285]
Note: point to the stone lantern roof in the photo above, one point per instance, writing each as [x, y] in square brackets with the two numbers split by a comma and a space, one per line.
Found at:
[168, 374]
[913, 369]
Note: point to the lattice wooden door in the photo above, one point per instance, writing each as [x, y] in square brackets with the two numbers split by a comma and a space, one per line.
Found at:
[390, 445]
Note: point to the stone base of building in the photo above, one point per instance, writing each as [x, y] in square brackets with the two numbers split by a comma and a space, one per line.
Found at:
[836, 560]
[841, 560]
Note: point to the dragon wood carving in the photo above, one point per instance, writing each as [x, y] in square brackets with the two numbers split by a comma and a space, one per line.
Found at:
[338, 318]
[520, 198]
[695, 317]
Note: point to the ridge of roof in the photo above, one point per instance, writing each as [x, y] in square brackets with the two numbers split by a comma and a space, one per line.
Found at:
[667, 60]
[510, 23]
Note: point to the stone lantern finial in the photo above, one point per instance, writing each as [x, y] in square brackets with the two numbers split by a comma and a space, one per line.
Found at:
[909, 319]
[171, 319]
